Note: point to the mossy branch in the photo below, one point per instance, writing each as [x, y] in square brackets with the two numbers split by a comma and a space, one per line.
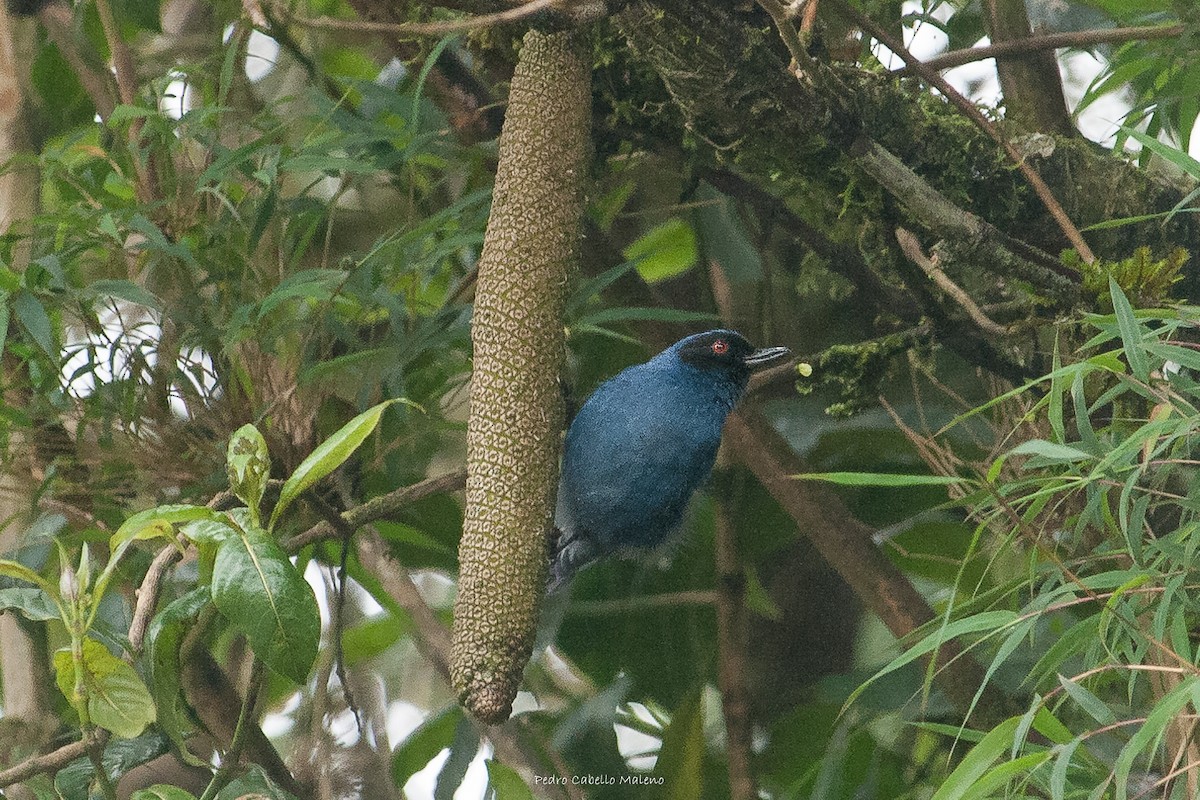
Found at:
[516, 414]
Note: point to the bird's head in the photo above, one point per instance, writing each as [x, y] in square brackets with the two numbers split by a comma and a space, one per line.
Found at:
[726, 352]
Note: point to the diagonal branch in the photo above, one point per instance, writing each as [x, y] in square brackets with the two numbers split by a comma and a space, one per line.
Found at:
[933, 78]
[1050, 41]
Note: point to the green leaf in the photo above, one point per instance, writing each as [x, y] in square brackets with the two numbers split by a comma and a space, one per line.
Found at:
[33, 318]
[505, 783]
[163, 641]
[424, 744]
[33, 604]
[1151, 731]
[155, 522]
[1096, 708]
[14, 569]
[624, 314]
[1131, 332]
[254, 785]
[664, 251]
[1050, 452]
[3, 321]
[883, 479]
[976, 763]
[248, 466]
[991, 621]
[680, 763]
[162, 792]
[256, 588]
[1166, 152]
[124, 290]
[328, 456]
[117, 700]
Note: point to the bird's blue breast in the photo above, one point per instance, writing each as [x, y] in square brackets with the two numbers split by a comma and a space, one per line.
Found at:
[637, 451]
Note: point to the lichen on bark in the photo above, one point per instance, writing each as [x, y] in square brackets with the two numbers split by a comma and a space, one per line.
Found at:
[516, 417]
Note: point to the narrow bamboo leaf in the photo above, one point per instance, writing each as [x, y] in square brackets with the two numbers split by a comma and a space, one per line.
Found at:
[1050, 451]
[1131, 332]
[993, 621]
[976, 763]
[1002, 774]
[424, 744]
[1096, 708]
[1151, 732]
[329, 455]
[628, 313]
[164, 638]
[680, 762]
[117, 700]
[505, 783]
[124, 290]
[1058, 775]
[256, 588]
[883, 479]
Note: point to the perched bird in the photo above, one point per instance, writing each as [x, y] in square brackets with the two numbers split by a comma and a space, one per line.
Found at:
[643, 443]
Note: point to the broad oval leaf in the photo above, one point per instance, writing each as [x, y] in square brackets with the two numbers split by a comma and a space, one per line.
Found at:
[32, 603]
[164, 638]
[256, 588]
[117, 700]
[162, 792]
[329, 455]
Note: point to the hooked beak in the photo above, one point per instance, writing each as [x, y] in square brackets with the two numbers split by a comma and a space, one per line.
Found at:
[765, 357]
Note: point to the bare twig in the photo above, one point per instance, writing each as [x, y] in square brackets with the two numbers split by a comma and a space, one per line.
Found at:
[147, 594]
[731, 657]
[1049, 41]
[381, 507]
[121, 56]
[59, 22]
[933, 78]
[50, 762]
[782, 15]
[912, 249]
[425, 28]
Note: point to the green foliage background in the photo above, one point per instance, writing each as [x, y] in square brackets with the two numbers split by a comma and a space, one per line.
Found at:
[208, 321]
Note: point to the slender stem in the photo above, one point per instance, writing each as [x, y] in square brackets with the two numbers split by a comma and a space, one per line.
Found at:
[912, 250]
[731, 658]
[245, 722]
[95, 751]
[428, 28]
[1049, 41]
[933, 78]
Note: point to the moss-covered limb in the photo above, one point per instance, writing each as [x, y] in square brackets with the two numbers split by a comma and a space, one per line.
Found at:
[516, 404]
[725, 71]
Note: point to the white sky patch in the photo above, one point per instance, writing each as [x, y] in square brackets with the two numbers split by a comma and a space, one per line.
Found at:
[261, 52]
[177, 98]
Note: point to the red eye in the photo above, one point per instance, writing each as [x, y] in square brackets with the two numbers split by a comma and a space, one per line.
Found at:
[720, 347]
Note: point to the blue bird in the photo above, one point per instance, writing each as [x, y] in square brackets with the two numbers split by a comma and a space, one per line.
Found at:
[643, 443]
